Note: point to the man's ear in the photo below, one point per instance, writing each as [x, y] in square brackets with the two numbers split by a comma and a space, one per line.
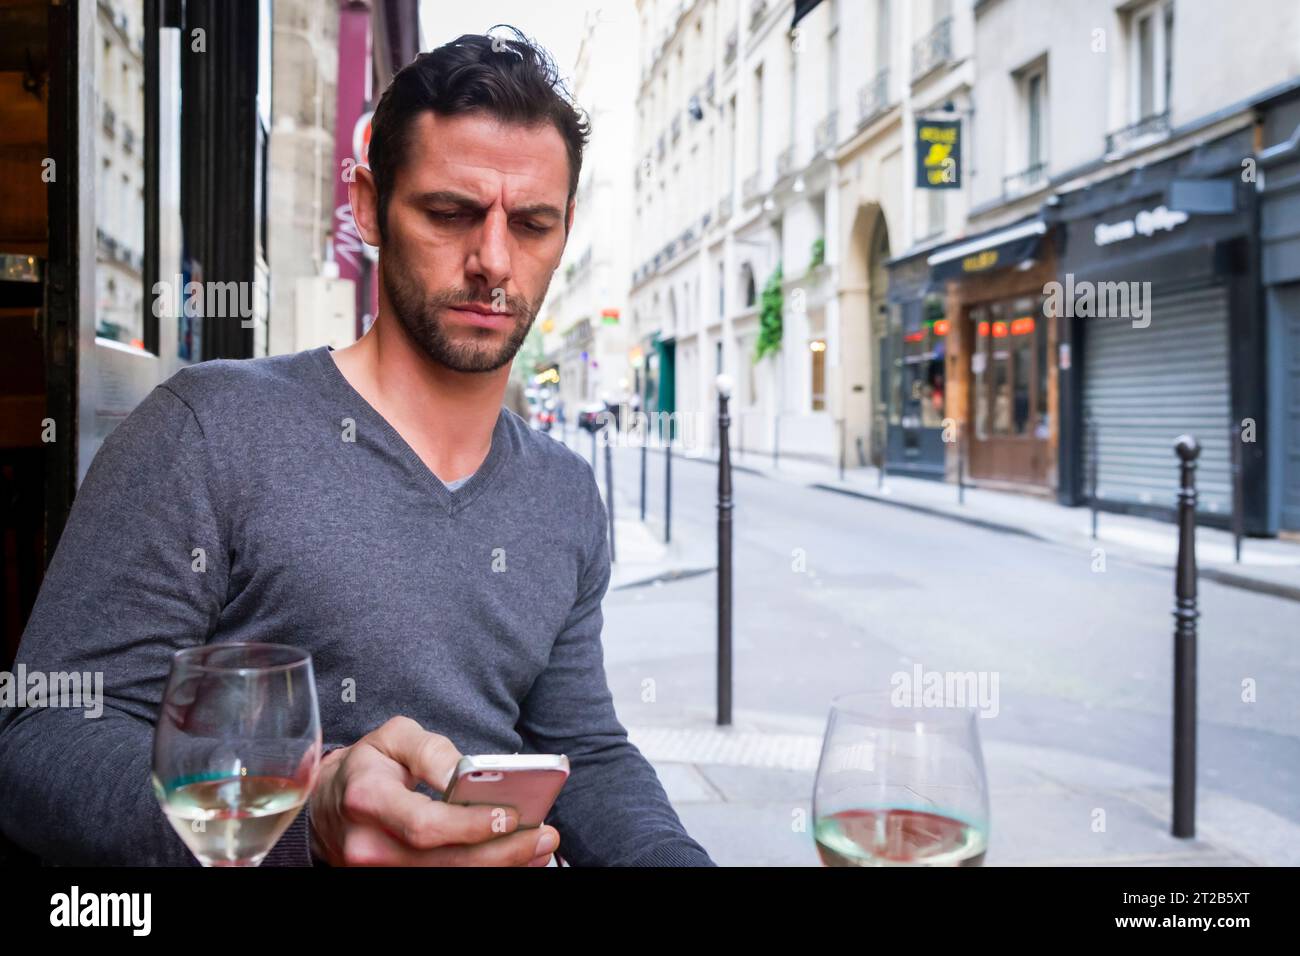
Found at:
[364, 198]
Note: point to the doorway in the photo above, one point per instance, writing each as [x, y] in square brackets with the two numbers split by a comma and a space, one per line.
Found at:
[1011, 423]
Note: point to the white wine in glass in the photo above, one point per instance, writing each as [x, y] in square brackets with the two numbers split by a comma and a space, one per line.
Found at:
[236, 748]
[900, 786]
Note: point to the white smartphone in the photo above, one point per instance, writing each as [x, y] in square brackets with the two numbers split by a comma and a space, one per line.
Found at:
[528, 783]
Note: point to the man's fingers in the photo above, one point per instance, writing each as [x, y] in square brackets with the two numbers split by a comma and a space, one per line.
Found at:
[417, 821]
[518, 849]
[369, 846]
[430, 757]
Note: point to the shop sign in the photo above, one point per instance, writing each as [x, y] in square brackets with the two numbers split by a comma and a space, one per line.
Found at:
[1146, 223]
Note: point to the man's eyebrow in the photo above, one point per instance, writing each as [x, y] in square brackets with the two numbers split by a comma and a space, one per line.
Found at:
[467, 202]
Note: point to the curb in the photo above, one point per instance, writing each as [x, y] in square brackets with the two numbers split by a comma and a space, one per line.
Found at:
[984, 523]
[676, 574]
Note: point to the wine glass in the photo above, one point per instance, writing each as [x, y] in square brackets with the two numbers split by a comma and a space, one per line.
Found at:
[900, 785]
[236, 749]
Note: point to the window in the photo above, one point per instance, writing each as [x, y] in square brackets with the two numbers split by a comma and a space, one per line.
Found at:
[722, 290]
[833, 59]
[817, 348]
[1034, 116]
[882, 35]
[747, 277]
[1009, 366]
[731, 145]
[934, 211]
[1151, 59]
[794, 96]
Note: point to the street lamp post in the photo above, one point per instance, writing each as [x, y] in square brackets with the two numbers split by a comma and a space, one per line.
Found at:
[724, 553]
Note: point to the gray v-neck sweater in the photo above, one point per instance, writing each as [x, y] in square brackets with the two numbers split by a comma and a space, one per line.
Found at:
[476, 612]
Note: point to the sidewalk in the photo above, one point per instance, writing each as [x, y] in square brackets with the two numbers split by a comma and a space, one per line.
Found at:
[1268, 565]
[745, 793]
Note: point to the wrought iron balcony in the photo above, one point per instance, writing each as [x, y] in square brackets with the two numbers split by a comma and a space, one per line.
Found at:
[826, 134]
[1027, 180]
[932, 50]
[1149, 127]
[873, 99]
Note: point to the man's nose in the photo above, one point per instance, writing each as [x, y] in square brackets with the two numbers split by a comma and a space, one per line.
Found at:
[489, 261]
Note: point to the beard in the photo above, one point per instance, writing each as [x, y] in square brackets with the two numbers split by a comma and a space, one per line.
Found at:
[421, 315]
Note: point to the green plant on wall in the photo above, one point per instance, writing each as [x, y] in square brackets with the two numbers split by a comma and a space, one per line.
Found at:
[818, 253]
[769, 316]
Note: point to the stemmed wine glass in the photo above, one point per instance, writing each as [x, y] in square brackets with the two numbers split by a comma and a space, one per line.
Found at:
[236, 748]
[900, 785]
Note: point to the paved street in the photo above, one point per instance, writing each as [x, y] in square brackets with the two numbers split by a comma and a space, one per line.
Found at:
[1084, 662]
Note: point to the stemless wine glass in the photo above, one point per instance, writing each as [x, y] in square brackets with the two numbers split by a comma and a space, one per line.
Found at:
[900, 785]
[236, 750]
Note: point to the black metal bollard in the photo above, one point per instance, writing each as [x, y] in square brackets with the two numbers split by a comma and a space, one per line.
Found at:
[1185, 615]
[841, 449]
[645, 441]
[1093, 466]
[668, 485]
[725, 508]
[609, 488]
[1238, 502]
[961, 466]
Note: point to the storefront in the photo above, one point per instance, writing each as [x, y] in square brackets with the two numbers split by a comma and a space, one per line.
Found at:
[1159, 294]
[1001, 348]
[912, 371]
[1279, 172]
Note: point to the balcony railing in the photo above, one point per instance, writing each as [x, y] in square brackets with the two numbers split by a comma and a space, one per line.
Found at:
[733, 42]
[749, 188]
[1024, 181]
[933, 49]
[785, 161]
[1148, 127]
[873, 99]
[826, 134]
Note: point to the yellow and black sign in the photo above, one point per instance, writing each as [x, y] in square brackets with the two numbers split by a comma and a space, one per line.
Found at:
[938, 154]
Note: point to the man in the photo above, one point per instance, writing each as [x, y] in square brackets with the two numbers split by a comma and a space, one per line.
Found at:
[444, 564]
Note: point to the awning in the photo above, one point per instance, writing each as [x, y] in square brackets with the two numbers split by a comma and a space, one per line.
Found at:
[801, 9]
[994, 250]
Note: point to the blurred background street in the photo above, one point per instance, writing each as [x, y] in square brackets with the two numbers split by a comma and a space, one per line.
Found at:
[965, 269]
[1084, 659]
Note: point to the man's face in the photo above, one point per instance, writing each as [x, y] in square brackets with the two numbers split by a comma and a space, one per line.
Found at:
[477, 222]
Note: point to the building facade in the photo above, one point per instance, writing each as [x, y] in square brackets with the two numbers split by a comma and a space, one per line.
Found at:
[585, 316]
[1107, 267]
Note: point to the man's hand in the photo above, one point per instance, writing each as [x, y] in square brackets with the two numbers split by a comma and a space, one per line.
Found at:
[365, 812]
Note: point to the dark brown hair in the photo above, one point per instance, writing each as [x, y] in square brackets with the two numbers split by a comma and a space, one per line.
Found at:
[510, 78]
